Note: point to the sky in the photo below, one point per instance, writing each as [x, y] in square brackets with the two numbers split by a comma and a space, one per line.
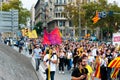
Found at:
[28, 3]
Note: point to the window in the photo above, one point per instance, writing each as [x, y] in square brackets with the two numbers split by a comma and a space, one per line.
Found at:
[60, 2]
[70, 23]
[61, 23]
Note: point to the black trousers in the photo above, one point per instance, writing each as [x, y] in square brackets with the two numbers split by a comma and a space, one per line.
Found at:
[30, 51]
[61, 64]
[103, 72]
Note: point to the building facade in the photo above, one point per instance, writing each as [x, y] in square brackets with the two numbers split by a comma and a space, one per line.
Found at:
[39, 11]
[55, 18]
[32, 19]
[50, 13]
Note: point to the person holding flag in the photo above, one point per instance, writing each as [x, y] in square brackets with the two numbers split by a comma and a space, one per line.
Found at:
[50, 61]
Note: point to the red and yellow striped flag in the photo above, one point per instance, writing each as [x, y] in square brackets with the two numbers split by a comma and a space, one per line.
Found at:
[96, 18]
[115, 73]
[97, 72]
[114, 63]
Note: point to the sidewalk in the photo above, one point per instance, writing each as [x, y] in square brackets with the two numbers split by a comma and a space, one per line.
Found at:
[40, 73]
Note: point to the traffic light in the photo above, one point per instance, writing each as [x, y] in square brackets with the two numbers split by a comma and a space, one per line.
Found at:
[102, 14]
[110, 13]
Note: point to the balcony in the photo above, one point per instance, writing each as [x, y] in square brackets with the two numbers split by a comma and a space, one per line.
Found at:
[60, 4]
[58, 11]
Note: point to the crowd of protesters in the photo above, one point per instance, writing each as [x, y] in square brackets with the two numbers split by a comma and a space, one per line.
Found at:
[69, 53]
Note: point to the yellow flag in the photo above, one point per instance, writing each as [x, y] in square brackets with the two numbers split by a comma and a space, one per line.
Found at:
[23, 32]
[90, 71]
[33, 34]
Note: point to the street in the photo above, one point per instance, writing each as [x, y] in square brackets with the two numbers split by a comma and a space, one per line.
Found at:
[40, 73]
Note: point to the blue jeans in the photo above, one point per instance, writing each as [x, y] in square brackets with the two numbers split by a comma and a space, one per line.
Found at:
[37, 61]
[52, 74]
[69, 64]
[108, 73]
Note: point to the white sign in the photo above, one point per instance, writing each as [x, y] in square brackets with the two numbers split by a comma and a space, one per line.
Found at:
[116, 38]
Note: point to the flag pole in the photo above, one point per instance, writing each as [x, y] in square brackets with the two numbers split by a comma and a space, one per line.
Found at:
[49, 68]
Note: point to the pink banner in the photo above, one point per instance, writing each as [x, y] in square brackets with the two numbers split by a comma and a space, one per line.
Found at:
[116, 39]
[53, 37]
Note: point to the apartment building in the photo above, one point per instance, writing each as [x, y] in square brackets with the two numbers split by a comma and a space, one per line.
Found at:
[56, 18]
[50, 13]
[39, 11]
[32, 19]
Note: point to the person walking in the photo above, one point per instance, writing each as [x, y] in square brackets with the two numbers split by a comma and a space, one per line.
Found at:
[69, 60]
[30, 47]
[50, 62]
[37, 53]
[61, 61]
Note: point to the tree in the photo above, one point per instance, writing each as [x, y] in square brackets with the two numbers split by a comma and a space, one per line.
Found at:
[88, 11]
[108, 21]
[71, 12]
[38, 28]
[17, 4]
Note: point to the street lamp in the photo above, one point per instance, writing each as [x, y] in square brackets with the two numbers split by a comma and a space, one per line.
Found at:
[79, 7]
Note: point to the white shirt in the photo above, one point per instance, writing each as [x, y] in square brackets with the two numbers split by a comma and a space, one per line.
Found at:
[37, 53]
[69, 55]
[94, 52]
[52, 65]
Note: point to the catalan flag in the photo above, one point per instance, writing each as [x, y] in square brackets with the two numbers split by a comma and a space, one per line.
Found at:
[115, 73]
[96, 18]
[97, 72]
[115, 63]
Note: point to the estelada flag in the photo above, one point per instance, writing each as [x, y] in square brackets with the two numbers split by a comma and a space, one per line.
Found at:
[96, 18]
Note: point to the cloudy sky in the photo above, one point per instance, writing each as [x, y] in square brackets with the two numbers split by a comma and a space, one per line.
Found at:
[28, 3]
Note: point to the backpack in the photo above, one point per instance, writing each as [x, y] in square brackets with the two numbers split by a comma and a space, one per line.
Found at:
[53, 57]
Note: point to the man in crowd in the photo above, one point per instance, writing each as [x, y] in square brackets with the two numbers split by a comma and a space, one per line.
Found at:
[50, 61]
[37, 53]
[80, 73]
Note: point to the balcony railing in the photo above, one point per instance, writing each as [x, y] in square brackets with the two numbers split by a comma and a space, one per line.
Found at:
[60, 3]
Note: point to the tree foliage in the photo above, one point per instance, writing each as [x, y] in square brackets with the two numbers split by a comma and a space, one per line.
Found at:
[88, 11]
[38, 28]
[17, 5]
